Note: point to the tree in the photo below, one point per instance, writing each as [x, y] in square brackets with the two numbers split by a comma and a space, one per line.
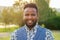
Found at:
[5, 16]
[44, 11]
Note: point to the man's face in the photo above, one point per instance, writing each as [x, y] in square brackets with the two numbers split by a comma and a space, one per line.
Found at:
[30, 16]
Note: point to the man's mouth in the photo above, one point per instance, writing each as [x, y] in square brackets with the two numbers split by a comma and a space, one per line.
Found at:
[30, 21]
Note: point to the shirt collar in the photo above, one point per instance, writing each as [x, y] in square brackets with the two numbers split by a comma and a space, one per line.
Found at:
[31, 33]
[34, 28]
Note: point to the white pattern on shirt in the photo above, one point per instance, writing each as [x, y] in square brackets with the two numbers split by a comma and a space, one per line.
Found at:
[31, 33]
[49, 35]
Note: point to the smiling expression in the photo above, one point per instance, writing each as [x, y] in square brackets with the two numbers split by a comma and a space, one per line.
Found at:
[30, 16]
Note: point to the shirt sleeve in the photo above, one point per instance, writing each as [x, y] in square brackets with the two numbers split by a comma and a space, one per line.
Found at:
[49, 35]
[13, 36]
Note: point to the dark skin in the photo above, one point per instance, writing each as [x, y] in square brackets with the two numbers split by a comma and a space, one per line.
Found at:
[30, 17]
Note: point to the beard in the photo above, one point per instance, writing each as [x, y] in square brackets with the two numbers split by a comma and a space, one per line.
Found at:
[31, 24]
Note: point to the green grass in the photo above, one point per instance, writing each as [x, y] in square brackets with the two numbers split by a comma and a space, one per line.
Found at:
[8, 29]
[3, 30]
[56, 35]
[5, 38]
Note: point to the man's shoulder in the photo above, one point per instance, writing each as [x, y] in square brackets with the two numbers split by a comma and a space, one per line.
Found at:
[41, 28]
[44, 29]
[47, 31]
[21, 29]
[17, 33]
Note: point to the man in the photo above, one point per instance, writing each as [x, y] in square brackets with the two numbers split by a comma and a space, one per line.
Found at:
[31, 30]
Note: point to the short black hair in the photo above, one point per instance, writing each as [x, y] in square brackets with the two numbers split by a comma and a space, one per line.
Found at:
[31, 5]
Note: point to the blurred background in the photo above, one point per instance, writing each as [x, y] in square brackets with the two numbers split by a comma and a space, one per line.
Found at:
[11, 14]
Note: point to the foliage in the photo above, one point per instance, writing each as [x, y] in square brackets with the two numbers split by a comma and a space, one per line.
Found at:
[58, 13]
[13, 15]
[10, 16]
[44, 11]
[53, 23]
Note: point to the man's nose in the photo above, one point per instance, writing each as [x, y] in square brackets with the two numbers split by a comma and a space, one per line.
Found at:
[29, 17]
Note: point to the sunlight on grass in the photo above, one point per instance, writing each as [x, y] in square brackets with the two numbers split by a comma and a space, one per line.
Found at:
[5, 38]
[56, 35]
[8, 29]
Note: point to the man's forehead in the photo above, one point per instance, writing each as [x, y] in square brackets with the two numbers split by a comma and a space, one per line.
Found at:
[30, 9]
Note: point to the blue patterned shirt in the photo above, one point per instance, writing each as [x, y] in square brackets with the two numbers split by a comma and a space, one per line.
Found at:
[31, 33]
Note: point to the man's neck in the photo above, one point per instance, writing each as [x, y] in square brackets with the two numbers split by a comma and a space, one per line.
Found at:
[31, 27]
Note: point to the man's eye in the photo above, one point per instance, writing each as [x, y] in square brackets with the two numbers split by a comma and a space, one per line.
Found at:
[33, 14]
[26, 14]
